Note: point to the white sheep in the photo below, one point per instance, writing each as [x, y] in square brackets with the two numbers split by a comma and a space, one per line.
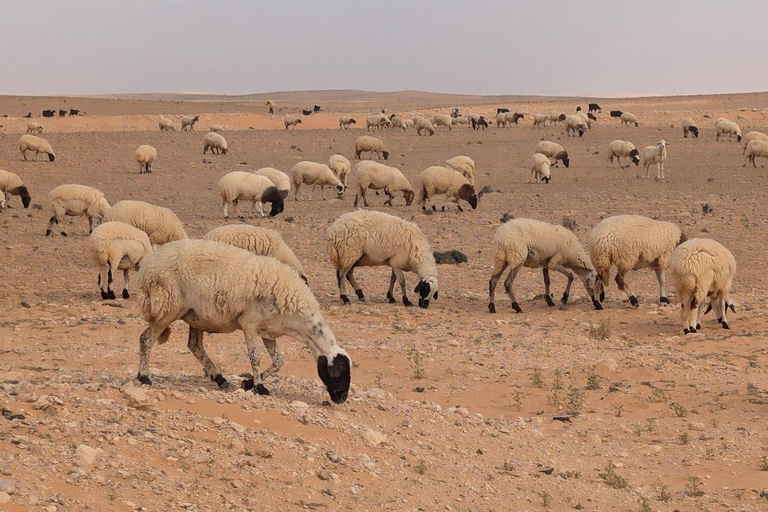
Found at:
[165, 124]
[464, 165]
[441, 180]
[366, 238]
[749, 137]
[189, 122]
[160, 224]
[554, 151]
[754, 149]
[508, 118]
[540, 120]
[145, 156]
[423, 125]
[689, 126]
[655, 155]
[534, 244]
[399, 122]
[573, 124]
[376, 176]
[281, 180]
[340, 166]
[314, 173]
[540, 168]
[371, 144]
[216, 128]
[628, 118]
[239, 186]
[377, 122]
[36, 144]
[701, 268]
[214, 287]
[117, 246]
[216, 143]
[442, 120]
[259, 241]
[345, 121]
[76, 201]
[730, 128]
[632, 242]
[409, 123]
[556, 117]
[461, 120]
[35, 128]
[623, 148]
[11, 185]
[291, 121]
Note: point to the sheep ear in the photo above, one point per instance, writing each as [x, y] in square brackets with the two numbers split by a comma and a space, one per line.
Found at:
[435, 296]
[419, 287]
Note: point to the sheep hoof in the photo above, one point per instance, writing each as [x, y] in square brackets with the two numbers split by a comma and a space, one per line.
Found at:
[549, 300]
[733, 308]
[144, 379]
[457, 206]
[664, 300]
[345, 299]
[247, 384]
[104, 295]
[726, 326]
[220, 381]
[111, 295]
[47, 232]
[390, 298]
[126, 295]
[709, 308]
[602, 296]
[564, 300]
[434, 208]
[360, 295]
[407, 303]
[492, 307]
[260, 389]
[633, 301]
[597, 305]
[443, 209]
[517, 307]
[698, 327]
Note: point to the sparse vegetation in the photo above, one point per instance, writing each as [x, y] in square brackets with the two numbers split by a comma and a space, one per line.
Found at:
[601, 331]
[645, 506]
[545, 499]
[416, 364]
[506, 218]
[706, 209]
[611, 478]
[421, 467]
[685, 438]
[569, 223]
[693, 487]
[517, 398]
[486, 189]
[593, 380]
[763, 463]
[557, 380]
[663, 494]
[619, 410]
[574, 401]
[680, 410]
[536, 379]
[452, 257]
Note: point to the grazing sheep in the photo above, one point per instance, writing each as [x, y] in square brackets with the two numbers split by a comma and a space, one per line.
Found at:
[377, 122]
[216, 143]
[540, 120]
[165, 124]
[76, 201]
[423, 125]
[461, 120]
[730, 128]
[259, 241]
[556, 117]
[508, 118]
[689, 125]
[189, 122]
[534, 244]
[399, 122]
[587, 118]
[215, 287]
[160, 224]
[145, 156]
[49, 113]
[594, 107]
[117, 246]
[632, 242]
[554, 151]
[573, 124]
[239, 186]
[622, 148]
[372, 145]
[36, 144]
[464, 165]
[345, 121]
[340, 167]
[655, 155]
[216, 128]
[702, 268]
[376, 176]
[62, 113]
[441, 180]
[616, 113]
[368, 239]
[291, 121]
[627, 118]
[480, 123]
[540, 168]
[749, 137]
[409, 123]
[754, 149]
[11, 185]
[281, 180]
[313, 173]
[35, 128]
[74, 112]
[443, 120]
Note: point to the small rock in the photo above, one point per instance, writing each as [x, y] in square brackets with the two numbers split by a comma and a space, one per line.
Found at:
[137, 398]
[694, 425]
[324, 474]
[265, 453]
[87, 456]
[609, 363]
[218, 420]
[5, 497]
[7, 486]
[373, 438]
[298, 404]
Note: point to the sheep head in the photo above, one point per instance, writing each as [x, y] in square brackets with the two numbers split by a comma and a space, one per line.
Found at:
[336, 375]
[634, 155]
[426, 286]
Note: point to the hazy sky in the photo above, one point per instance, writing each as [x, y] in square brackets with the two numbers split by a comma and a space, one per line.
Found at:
[589, 47]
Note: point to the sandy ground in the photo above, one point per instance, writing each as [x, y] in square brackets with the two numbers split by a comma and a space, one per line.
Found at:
[452, 408]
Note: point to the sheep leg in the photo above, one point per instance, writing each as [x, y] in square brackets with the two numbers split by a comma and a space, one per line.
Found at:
[90, 225]
[567, 273]
[661, 278]
[110, 288]
[236, 207]
[340, 277]
[226, 206]
[53, 220]
[159, 331]
[547, 294]
[126, 280]
[103, 282]
[212, 370]
[277, 358]
[392, 280]
[322, 192]
[353, 282]
[625, 288]
[388, 202]
[498, 270]
[508, 287]
[252, 343]
[401, 279]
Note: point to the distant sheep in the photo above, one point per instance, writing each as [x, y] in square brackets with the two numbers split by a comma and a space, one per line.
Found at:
[345, 121]
[616, 113]
[165, 124]
[540, 168]
[49, 113]
[34, 128]
[377, 122]
[554, 151]
[440, 180]
[36, 144]
[423, 125]
[145, 156]
[627, 118]
[730, 128]
[398, 122]
[189, 122]
[442, 120]
[291, 121]
[216, 143]
[281, 180]
[117, 246]
[160, 224]
[216, 128]
[314, 173]
[755, 148]
[556, 117]
[461, 120]
[375, 176]
[622, 148]
[11, 185]
[372, 145]
[574, 124]
[239, 186]
[482, 122]
[655, 155]
[750, 136]
[594, 107]
[689, 125]
[540, 119]
[76, 201]
[464, 165]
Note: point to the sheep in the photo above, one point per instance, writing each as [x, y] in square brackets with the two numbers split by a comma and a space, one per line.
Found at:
[616, 113]
[540, 168]
[36, 144]
[480, 123]
[35, 128]
[75, 201]
[376, 176]
[259, 241]
[689, 125]
[189, 122]
[62, 113]
[501, 119]
[160, 224]
[281, 180]
[554, 151]
[372, 145]
[117, 246]
[291, 121]
[587, 118]
[702, 268]
[216, 128]
[556, 117]
[11, 185]
[239, 185]
[216, 143]
[423, 125]
[573, 124]
[377, 122]
[724, 126]
[755, 148]
[399, 122]
[632, 242]
[365, 238]
[505, 118]
[49, 113]
[594, 107]
[472, 117]
[464, 165]
[750, 136]
[655, 155]
[340, 167]
[461, 120]
[408, 123]
[165, 124]
[215, 287]
[622, 148]
[345, 121]
[145, 156]
[441, 180]
[313, 173]
[442, 120]
[540, 119]
[628, 118]
[535, 244]
[74, 112]
[502, 110]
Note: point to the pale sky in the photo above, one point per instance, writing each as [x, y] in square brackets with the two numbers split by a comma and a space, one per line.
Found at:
[573, 48]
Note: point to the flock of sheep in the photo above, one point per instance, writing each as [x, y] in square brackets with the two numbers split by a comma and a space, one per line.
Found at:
[242, 277]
